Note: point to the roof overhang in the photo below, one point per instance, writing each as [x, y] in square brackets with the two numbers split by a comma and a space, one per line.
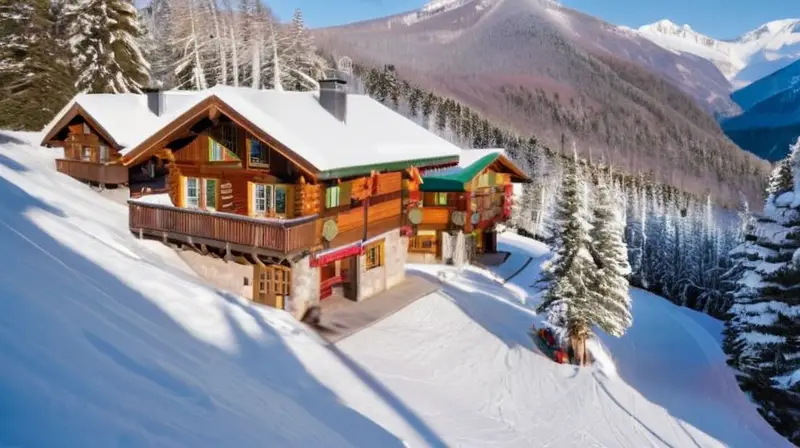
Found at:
[210, 107]
[67, 116]
[399, 165]
[458, 181]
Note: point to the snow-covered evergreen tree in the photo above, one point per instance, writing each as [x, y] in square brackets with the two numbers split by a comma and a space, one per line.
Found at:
[36, 79]
[610, 304]
[571, 271]
[104, 43]
[762, 336]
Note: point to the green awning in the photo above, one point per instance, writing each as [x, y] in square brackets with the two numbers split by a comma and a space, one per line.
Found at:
[389, 166]
[455, 179]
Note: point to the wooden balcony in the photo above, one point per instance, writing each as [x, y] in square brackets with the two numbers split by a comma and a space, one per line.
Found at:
[101, 173]
[223, 230]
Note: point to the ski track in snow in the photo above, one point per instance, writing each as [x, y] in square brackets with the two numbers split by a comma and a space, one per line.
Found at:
[106, 340]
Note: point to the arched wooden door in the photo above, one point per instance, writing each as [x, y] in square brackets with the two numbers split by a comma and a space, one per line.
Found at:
[271, 285]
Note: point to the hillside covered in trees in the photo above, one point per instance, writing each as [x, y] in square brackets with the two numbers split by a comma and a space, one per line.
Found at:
[534, 68]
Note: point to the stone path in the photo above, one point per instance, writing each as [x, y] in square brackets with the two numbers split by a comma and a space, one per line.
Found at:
[342, 317]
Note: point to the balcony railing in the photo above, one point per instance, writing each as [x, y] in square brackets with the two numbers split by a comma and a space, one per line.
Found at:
[217, 229]
[103, 173]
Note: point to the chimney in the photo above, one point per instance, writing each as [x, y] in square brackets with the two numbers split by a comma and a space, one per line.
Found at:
[333, 96]
[155, 100]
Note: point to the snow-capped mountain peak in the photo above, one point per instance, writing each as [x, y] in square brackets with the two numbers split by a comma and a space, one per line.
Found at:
[743, 60]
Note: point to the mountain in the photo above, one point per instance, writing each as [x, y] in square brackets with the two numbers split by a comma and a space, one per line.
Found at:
[542, 69]
[743, 60]
[784, 79]
[772, 123]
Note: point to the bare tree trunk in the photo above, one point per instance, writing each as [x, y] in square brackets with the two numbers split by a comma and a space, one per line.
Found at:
[235, 62]
[276, 64]
[199, 72]
[222, 76]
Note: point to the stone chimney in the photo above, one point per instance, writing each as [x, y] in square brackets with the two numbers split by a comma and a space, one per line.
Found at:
[333, 96]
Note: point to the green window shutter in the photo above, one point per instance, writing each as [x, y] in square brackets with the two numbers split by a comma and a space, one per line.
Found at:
[332, 197]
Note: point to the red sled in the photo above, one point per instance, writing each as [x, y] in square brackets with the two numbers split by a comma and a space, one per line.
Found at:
[544, 339]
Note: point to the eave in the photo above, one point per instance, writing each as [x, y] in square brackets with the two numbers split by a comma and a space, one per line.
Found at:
[69, 115]
[211, 107]
[338, 173]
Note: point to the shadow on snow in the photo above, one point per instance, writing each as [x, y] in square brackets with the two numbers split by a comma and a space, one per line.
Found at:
[89, 361]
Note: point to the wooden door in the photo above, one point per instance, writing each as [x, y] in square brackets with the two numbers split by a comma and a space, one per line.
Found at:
[272, 284]
[350, 276]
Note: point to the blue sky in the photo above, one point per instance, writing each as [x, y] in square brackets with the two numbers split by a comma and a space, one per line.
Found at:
[716, 18]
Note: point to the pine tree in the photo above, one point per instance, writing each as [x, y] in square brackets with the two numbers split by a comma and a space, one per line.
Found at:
[572, 269]
[610, 304]
[303, 65]
[761, 336]
[103, 36]
[36, 80]
[781, 180]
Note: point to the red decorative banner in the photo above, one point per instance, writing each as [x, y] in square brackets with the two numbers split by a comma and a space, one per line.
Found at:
[340, 254]
[509, 194]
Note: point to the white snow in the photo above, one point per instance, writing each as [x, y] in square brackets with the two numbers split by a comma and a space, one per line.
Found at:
[744, 60]
[158, 199]
[372, 133]
[462, 360]
[105, 341]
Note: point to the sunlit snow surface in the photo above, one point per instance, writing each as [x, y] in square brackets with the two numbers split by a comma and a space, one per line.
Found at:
[109, 341]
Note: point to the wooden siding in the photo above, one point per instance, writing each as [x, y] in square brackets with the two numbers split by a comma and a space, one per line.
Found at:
[351, 219]
[262, 234]
[101, 173]
[384, 210]
[435, 215]
[80, 136]
[389, 183]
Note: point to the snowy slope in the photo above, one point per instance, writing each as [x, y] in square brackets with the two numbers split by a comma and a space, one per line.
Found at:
[108, 341]
[670, 386]
[105, 341]
[746, 59]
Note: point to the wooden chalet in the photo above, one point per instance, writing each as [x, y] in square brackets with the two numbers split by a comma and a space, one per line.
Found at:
[455, 210]
[300, 194]
[95, 130]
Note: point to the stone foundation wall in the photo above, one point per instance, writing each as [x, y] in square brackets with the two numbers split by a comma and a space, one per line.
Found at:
[231, 277]
[391, 273]
[396, 258]
[305, 288]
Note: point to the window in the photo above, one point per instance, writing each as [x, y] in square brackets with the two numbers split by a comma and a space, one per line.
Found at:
[87, 153]
[440, 199]
[211, 194]
[215, 151]
[192, 192]
[86, 130]
[259, 153]
[262, 198]
[374, 254]
[280, 200]
[103, 153]
[332, 197]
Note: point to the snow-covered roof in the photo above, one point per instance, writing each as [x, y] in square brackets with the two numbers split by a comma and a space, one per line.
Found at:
[125, 116]
[465, 159]
[372, 134]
